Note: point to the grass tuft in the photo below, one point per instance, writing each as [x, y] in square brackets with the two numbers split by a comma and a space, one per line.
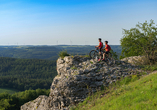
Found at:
[64, 53]
[74, 68]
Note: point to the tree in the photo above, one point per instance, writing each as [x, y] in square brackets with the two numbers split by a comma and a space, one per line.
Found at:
[141, 40]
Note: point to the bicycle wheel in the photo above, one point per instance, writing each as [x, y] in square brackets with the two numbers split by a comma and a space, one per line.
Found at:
[93, 54]
[110, 55]
[110, 59]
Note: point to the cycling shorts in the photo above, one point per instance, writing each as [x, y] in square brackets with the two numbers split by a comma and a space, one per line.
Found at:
[100, 49]
[107, 52]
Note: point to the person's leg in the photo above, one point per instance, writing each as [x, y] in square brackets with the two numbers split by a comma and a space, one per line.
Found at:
[107, 54]
[104, 56]
[100, 55]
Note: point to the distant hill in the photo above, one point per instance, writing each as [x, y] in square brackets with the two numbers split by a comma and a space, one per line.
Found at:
[24, 74]
[30, 52]
[47, 52]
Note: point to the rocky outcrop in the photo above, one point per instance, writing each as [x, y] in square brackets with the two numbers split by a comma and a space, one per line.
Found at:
[77, 78]
[41, 103]
[136, 60]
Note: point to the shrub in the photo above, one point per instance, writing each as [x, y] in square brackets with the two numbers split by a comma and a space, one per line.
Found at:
[64, 53]
[149, 67]
[114, 54]
[140, 40]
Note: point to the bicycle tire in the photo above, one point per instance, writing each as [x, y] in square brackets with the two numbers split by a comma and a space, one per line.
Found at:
[110, 54]
[93, 54]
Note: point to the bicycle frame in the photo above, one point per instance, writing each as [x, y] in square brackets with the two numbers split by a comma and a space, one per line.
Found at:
[100, 55]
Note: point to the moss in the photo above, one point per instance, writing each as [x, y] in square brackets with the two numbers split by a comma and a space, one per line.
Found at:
[91, 62]
[74, 68]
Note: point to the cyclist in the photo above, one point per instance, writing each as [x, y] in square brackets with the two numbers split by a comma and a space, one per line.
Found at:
[107, 50]
[100, 46]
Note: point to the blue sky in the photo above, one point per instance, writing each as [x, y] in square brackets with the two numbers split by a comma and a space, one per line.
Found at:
[77, 22]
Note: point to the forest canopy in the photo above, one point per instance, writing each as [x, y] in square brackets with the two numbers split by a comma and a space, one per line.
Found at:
[24, 74]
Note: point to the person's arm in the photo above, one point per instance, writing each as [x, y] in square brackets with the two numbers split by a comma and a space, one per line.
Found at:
[98, 45]
[105, 47]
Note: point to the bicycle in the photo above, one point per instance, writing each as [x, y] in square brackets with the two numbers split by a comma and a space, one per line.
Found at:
[94, 54]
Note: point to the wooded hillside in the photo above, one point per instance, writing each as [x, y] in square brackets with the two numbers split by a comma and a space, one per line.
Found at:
[24, 74]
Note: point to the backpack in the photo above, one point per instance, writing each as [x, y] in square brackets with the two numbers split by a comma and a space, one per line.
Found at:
[109, 48]
[102, 45]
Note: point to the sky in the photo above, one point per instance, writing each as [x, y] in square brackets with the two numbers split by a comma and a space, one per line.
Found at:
[71, 22]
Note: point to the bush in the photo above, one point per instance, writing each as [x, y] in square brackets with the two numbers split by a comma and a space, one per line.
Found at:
[149, 67]
[140, 40]
[64, 53]
[114, 54]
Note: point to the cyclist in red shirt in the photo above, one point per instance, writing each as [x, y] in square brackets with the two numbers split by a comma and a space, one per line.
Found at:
[100, 46]
[107, 49]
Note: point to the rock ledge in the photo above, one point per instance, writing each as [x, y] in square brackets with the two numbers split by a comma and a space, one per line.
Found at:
[77, 78]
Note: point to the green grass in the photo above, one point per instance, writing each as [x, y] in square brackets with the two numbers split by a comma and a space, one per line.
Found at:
[10, 91]
[64, 53]
[149, 67]
[74, 68]
[136, 95]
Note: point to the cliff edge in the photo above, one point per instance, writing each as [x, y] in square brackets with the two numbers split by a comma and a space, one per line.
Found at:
[77, 78]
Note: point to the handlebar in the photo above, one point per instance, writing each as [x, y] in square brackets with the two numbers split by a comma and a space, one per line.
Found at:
[96, 48]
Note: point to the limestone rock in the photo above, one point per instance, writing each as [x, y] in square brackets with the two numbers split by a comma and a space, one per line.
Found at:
[136, 60]
[41, 103]
[77, 78]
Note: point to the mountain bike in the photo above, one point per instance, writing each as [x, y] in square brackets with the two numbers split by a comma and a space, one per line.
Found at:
[94, 54]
